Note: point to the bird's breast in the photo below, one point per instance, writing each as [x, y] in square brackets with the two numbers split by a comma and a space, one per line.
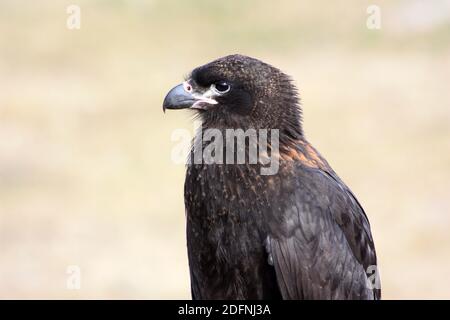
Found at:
[227, 216]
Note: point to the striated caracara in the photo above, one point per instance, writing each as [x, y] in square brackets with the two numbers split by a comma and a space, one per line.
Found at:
[295, 233]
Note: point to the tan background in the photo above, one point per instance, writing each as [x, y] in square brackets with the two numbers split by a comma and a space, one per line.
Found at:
[85, 172]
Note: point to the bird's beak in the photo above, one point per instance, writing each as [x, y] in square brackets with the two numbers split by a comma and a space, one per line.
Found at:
[181, 98]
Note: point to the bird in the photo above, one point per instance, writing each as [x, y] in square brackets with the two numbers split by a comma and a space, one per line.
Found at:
[297, 234]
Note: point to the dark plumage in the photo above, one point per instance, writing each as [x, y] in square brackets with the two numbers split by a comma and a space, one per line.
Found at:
[298, 234]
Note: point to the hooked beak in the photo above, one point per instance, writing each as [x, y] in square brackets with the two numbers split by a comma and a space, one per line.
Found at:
[182, 97]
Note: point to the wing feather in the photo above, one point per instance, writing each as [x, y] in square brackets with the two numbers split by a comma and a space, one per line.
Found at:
[323, 246]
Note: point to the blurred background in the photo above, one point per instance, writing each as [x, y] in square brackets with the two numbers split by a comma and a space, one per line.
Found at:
[86, 177]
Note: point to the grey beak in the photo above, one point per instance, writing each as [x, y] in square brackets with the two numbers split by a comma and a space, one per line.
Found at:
[178, 98]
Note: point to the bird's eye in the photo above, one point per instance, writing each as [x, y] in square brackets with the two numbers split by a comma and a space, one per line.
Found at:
[221, 87]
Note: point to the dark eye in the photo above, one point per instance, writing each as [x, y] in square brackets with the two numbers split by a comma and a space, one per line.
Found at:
[221, 87]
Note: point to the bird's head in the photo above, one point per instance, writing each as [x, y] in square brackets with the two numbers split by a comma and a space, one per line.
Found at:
[237, 91]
